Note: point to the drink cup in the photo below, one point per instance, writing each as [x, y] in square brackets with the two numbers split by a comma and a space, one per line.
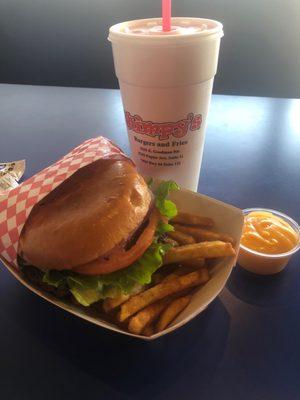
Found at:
[166, 81]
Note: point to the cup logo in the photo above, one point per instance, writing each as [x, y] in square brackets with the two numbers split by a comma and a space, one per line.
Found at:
[163, 130]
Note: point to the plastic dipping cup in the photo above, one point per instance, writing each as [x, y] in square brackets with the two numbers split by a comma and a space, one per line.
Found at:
[262, 263]
[166, 81]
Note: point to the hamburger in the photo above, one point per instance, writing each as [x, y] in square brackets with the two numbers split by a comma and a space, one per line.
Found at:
[98, 235]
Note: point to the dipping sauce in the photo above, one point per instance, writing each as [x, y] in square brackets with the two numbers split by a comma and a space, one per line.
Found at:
[268, 241]
[267, 233]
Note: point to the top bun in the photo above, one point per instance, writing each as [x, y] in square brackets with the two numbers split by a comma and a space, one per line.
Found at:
[86, 216]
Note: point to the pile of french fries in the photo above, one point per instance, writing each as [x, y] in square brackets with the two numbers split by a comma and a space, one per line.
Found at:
[153, 308]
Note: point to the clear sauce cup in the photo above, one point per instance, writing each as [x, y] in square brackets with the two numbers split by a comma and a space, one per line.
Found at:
[263, 263]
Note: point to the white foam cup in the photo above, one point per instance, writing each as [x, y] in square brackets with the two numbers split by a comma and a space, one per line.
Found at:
[166, 81]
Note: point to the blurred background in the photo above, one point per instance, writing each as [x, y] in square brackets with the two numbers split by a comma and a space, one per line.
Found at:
[64, 42]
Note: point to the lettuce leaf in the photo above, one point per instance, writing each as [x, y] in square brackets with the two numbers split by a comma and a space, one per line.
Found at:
[85, 297]
[90, 289]
[163, 227]
[166, 207]
[140, 271]
[54, 278]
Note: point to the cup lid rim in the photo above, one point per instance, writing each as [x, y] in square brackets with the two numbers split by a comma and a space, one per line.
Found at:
[116, 34]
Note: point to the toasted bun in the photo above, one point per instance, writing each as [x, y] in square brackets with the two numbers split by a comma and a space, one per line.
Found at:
[86, 216]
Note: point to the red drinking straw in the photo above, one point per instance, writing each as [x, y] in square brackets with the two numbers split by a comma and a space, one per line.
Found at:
[166, 15]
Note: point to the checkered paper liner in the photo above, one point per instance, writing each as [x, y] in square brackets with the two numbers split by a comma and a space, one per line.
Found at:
[16, 205]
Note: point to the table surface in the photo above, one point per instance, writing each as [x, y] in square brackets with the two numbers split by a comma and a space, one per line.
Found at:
[245, 345]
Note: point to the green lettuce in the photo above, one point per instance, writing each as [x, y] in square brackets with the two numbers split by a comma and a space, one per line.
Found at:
[90, 289]
[163, 228]
[54, 278]
[166, 207]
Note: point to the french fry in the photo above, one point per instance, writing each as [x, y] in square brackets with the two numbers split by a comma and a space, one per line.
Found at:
[111, 304]
[148, 330]
[201, 235]
[138, 322]
[161, 291]
[158, 277]
[181, 237]
[171, 276]
[202, 250]
[171, 312]
[192, 219]
[195, 263]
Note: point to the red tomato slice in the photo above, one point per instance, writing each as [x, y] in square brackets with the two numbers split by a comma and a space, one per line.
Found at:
[122, 258]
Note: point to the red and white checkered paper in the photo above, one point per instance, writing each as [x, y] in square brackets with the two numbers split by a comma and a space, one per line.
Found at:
[16, 205]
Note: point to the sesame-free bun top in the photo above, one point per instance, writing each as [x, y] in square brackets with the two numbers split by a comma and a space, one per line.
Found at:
[86, 216]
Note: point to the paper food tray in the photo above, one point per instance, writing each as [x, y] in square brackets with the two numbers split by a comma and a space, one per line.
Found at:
[16, 206]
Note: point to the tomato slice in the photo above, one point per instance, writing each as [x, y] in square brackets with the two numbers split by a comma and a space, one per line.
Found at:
[121, 258]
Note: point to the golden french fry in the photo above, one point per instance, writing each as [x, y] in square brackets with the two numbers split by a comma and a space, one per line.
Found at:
[161, 291]
[111, 304]
[148, 330]
[171, 276]
[192, 219]
[158, 278]
[195, 263]
[138, 322]
[200, 234]
[171, 312]
[202, 250]
[181, 238]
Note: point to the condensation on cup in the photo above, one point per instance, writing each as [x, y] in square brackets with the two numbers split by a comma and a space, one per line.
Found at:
[166, 81]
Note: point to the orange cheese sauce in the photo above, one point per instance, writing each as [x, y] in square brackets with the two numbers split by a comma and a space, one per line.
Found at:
[266, 233]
